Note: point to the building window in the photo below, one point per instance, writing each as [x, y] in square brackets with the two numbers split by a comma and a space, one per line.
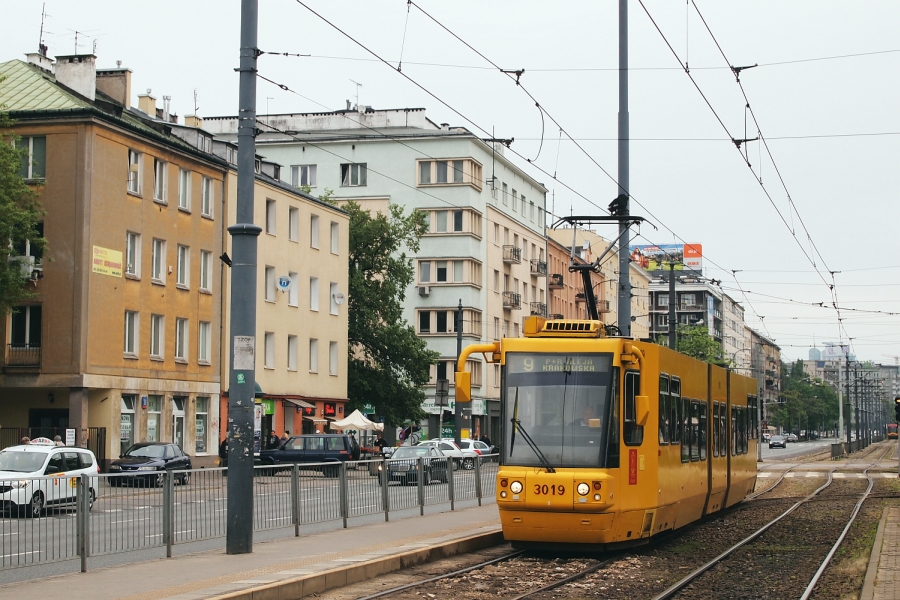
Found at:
[157, 336]
[313, 356]
[158, 266]
[270, 284]
[132, 327]
[205, 271]
[201, 422]
[688, 300]
[204, 350]
[425, 321]
[424, 271]
[335, 238]
[505, 194]
[353, 174]
[303, 175]
[133, 254]
[206, 197]
[662, 320]
[515, 200]
[332, 292]
[33, 151]
[314, 231]
[181, 339]
[314, 293]
[449, 172]
[332, 358]
[294, 224]
[270, 217]
[496, 328]
[662, 300]
[183, 277]
[184, 189]
[154, 414]
[160, 181]
[294, 292]
[292, 353]
[269, 352]
[134, 171]
[441, 271]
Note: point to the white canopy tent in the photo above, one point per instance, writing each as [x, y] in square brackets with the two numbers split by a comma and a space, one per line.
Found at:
[357, 420]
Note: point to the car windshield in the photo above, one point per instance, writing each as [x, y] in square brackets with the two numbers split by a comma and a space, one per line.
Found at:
[21, 462]
[146, 451]
[412, 452]
[777, 438]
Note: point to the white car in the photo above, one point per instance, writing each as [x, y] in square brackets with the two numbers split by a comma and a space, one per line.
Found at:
[461, 456]
[478, 446]
[41, 474]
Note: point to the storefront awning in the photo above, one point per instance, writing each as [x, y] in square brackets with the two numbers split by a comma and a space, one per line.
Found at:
[300, 403]
[315, 419]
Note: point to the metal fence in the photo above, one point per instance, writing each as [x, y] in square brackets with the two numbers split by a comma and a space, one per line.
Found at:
[96, 515]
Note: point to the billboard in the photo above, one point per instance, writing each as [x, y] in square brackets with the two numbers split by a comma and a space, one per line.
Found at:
[655, 259]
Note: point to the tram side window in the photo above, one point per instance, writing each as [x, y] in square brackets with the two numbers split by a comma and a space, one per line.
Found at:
[633, 433]
[686, 440]
[695, 430]
[746, 438]
[674, 405]
[723, 429]
[754, 417]
[663, 410]
[702, 426]
[612, 447]
[734, 433]
[715, 429]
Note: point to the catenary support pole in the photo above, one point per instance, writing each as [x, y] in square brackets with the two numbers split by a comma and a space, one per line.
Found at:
[242, 345]
[457, 408]
[624, 297]
[672, 317]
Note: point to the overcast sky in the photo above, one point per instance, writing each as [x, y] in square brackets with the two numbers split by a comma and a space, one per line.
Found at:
[825, 95]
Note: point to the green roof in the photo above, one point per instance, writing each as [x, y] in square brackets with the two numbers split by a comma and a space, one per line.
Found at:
[26, 87]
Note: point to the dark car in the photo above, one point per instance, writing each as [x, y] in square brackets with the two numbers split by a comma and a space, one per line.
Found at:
[147, 463]
[403, 466]
[312, 448]
[777, 441]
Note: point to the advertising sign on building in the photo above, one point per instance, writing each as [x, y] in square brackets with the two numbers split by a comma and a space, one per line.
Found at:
[107, 262]
[688, 258]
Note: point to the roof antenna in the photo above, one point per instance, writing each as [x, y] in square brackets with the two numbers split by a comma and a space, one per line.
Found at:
[196, 108]
[42, 48]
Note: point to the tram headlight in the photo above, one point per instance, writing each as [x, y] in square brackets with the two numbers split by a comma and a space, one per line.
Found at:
[583, 489]
[515, 487]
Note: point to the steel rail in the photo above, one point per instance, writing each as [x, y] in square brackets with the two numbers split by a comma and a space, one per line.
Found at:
[570, 578]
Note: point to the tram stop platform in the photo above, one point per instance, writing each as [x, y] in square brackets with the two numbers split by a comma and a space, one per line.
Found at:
[284, 568]
[883, 574]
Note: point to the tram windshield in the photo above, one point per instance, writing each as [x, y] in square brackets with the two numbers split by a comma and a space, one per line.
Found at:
[556, 409]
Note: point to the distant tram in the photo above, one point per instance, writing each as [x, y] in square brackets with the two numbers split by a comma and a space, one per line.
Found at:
[608, 441]
[892, 431]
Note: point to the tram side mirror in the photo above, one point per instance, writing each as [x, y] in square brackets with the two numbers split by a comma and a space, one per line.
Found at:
[641, 409]
[463, 381]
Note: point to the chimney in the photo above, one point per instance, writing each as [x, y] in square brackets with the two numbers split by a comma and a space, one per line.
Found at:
[79, 73]
[348, 105]
[116, 83]
[40, 59]
[445, 126]
[147, 103]
[193, 121]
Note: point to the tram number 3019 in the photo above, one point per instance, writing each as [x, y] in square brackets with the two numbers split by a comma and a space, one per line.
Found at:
[549, 490]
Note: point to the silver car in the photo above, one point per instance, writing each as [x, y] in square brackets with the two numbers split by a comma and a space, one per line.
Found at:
[465, 457]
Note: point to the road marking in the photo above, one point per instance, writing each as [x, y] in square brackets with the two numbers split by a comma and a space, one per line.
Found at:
[20, 553]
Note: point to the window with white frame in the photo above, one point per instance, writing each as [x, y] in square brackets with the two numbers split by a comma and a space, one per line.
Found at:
[496, 328]
[157, 336]
[292, 353]
[270, 284]
[181, 339]
[314, 231]
[269, 354]
[132, 329]
[424, 271]
[662, 320]
[332, 358]
[335, 238]
[270, 217]
[313, 355]
[154, 416]
[184, 189]
[515, 200]
[158, 261]
[207, 196]
[294, 292]
[505, 194]
[353, 174]
[205, 271]
[496, 376]
[449, 172]
[133, 254]
[201, 424]
[294, 224]
[314, 293]
[34, 156]
[183, 276]
[134, 171]
[332, 293]
[662, 300]
[303, 175]
[204, 343]
[160, 181]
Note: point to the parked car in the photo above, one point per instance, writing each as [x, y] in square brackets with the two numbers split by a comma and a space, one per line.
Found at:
[404, 465]
[791, 437]
[146, 463]
[767, 437]
[61, 465]
[312, 448]
[478, 446]
[459, 456]
[777, 441]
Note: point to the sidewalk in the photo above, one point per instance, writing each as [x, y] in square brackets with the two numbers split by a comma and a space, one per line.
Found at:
[883, 575]
[283, 568]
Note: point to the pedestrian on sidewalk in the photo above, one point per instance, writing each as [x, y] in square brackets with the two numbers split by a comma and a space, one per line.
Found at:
[223, 455]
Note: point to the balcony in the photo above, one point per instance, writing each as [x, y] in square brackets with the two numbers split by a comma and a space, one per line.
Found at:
[512, 255]
[23, 356]
[579, 296]
[556, 316]
[538, 268]
[602, 306]
[556, 281]
[539, 309]
[512, 300]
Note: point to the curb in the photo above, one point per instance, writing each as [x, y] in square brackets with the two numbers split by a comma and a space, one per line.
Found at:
[868, 589]
[316, 583]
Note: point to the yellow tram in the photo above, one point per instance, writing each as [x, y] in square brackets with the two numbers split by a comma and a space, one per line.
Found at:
[608, 441]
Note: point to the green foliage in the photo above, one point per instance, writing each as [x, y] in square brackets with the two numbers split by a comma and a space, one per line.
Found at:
[695, 341]
[20, 213]
[808, 403]
[388, 363]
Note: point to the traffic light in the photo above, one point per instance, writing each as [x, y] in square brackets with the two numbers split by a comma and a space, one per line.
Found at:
[897, 409]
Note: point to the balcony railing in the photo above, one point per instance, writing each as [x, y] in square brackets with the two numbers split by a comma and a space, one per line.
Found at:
[539, 309]
[556, 281]
[556, 316]
[512, 300]
[538, 267]
[512, 254]
[23, 355]
[579, 296]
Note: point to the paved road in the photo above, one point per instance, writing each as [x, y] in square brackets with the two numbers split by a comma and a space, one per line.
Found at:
[796, 449]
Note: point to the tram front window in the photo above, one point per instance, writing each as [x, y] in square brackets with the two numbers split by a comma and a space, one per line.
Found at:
[556, 406]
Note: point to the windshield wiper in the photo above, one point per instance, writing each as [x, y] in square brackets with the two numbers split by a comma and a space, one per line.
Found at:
[544, 462]
[514, 421]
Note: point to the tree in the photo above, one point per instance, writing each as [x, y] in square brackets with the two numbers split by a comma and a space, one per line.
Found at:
[388, 363]
[20, 215]
[694, 340]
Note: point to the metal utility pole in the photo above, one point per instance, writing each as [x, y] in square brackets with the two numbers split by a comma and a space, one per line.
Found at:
[847, 378]
[624, 298]
[672, 317]
[856, 401]
[244, 234]
[457, 408]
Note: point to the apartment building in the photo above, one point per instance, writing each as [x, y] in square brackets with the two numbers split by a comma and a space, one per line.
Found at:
[485, 247]
[122, 340]
[698, 302]
[765, 366]
[566, 289]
